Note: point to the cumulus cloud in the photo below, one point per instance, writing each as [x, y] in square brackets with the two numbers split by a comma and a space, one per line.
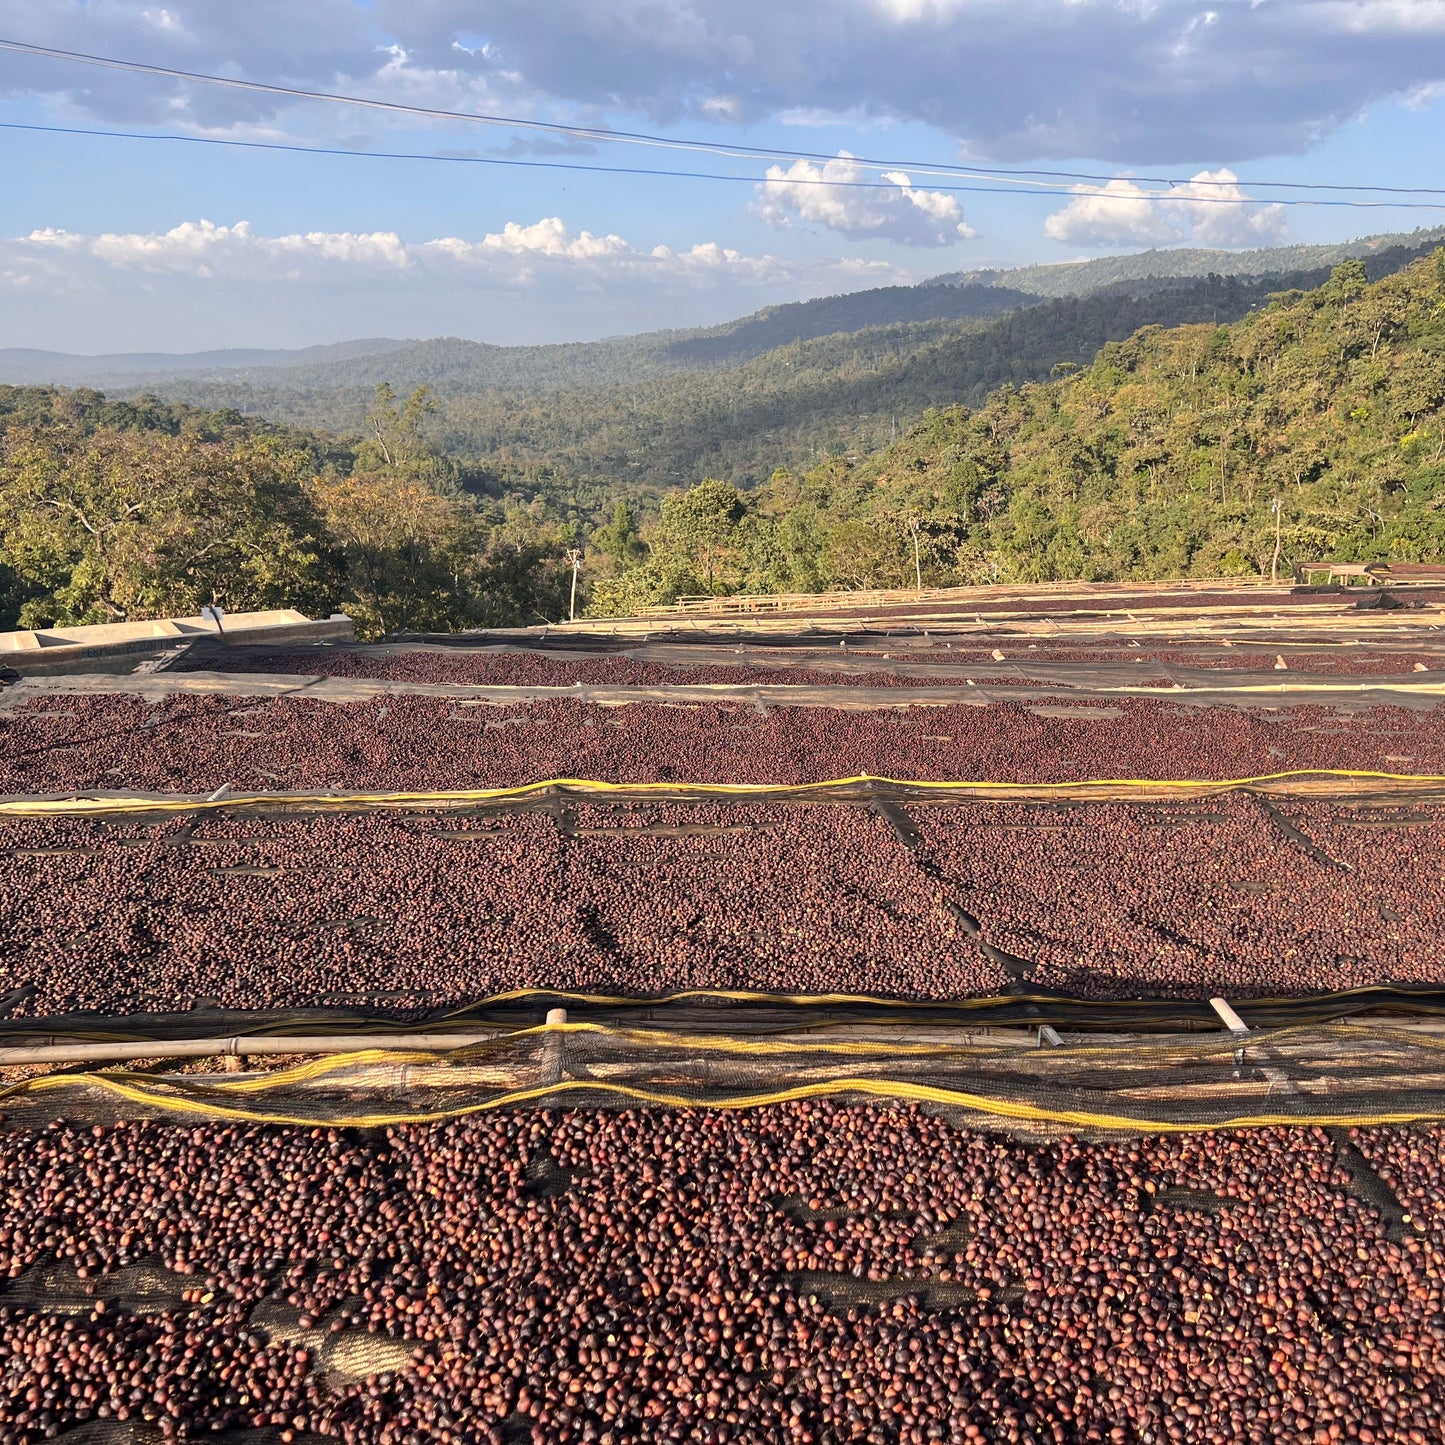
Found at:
[204, 284]
[1210, 210]
[202, 250]
[270, 40]
[514, 255]
[833, 195]
[1142, 81]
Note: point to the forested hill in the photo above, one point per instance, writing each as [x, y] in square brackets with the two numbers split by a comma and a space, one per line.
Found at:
[1144, 268]
[841, 394]
[1163, 458]
[24, 366]
[833, 315]
[453, 367]
[238, 377]
[1313, 425]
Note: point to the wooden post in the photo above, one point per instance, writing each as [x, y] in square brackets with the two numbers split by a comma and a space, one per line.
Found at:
[556, 1017]
[574, 556]
[1233, 1023]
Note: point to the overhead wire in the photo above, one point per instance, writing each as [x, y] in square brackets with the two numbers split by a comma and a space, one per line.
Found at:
[1052, 181]
[750, 180]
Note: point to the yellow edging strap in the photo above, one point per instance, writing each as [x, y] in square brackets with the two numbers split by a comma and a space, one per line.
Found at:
[873, 1088]
[213, 1098]
[1198, 1047]
[51, 807]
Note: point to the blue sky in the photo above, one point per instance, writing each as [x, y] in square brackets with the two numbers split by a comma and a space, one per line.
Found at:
[110, 244]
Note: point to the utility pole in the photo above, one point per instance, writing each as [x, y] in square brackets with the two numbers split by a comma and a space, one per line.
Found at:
[574, 556]
[917, 565]
[1274, 561]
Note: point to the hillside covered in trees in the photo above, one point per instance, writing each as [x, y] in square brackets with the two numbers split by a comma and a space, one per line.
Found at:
[1154, 451]
[792, 405]
[353, 369]
[1165, 457]
[1174, 263]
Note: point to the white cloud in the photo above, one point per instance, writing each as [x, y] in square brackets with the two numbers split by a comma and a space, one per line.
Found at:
[205, 250]
[161, 19]
[1422, 97]
[911, 11]
[1425, 17]
[202, 249]
[1140, 81]
[834, 195]
[200, 284]
[549, 237]
[1210, 210]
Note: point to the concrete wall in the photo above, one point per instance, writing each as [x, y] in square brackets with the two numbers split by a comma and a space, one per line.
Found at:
[118, 646]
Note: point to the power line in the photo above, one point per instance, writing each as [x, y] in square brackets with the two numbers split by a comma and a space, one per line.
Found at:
[1162, 197]
[733, 152]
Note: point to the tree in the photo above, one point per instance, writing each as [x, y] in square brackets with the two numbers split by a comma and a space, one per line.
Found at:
[656, 583]
[859, 555]
[396, 430]
[699, 527]
[620, 539]
[401, 542]
[119, 525]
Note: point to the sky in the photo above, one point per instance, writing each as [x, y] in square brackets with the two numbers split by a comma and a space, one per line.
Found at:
[823, 144]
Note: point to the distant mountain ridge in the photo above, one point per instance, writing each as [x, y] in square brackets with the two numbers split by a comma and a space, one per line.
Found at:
[448, 363]
[26, 366]
[450, 360]
[454, 364]
[786, 386]
[839, 394]
[1078, 278]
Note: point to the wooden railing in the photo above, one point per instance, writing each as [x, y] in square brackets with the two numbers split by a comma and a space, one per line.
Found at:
[751, 603]
[1372, 573]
